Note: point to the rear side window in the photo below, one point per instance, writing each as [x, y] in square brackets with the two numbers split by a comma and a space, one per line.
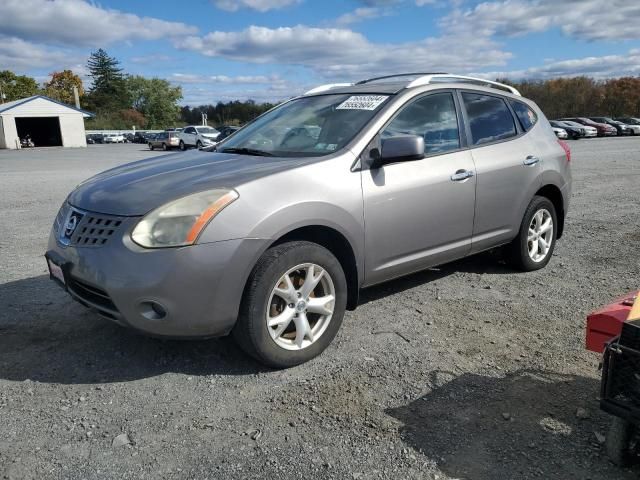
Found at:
[526, 116]
[489, 118]
[433, 118]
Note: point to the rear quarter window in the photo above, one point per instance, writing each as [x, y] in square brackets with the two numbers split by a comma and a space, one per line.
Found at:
[489, 118]
[526, 116]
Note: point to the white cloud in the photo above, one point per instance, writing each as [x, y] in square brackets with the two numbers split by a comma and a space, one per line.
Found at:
[259, 5]
[361, 14]
[21, 56]
[187, 78]
[335, 52]
[77, 22]
[585, 19]
[608, 66]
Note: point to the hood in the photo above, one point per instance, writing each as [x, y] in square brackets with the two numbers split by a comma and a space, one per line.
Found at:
[137, 188]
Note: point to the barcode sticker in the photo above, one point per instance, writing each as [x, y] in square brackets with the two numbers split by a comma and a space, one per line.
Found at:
[362, 102]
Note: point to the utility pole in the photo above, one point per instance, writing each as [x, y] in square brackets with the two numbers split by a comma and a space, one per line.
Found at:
[76, 96]
[204, 119]
[2, 95]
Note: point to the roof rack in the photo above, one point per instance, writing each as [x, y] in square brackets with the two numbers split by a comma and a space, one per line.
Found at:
[399, 75]
[429, 79]
[423, 79]
[328, 86]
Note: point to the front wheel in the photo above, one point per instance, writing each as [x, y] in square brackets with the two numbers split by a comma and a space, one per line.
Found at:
[150, 147]
[198, 144]
[164, 147]
[533, 247]
[293, 304]
[182, 146]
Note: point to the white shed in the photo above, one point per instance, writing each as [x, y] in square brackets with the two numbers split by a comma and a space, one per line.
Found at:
[48, 122]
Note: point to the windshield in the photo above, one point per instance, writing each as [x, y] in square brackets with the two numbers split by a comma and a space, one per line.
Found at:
[307, 127]
[207, 130]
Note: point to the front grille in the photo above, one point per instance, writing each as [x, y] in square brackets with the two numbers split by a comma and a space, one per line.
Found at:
[92, 296]
[84, 229]
[94, 230]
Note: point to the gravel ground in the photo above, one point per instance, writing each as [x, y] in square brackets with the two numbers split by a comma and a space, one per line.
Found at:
[465, 371]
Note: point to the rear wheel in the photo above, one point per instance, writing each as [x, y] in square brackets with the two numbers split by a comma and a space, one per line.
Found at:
[533, 247]
[198, 144]
[164, 147]
[618, 442]
[293, 304]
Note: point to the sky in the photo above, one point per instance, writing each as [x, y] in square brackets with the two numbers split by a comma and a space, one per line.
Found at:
[269, 50]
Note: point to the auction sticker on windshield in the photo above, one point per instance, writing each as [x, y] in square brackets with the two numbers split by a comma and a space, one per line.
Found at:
[362, 102]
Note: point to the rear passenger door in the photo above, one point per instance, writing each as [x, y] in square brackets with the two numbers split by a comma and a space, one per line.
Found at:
[508, 170]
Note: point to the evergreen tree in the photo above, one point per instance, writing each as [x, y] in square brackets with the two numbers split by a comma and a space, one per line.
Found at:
[108, 91]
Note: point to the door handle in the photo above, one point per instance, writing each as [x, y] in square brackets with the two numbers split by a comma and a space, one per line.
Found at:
[462, 175]
[530, 161]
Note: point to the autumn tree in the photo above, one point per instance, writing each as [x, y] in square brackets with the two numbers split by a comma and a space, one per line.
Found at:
[60, 87]
[15, 87]
[156, 99]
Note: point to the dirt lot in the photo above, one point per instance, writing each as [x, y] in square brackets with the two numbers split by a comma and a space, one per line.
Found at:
[465, 371]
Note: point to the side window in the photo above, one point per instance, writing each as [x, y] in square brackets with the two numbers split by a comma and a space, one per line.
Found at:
[526, 116]
[433, 118]
[190, 130]
[489, 118]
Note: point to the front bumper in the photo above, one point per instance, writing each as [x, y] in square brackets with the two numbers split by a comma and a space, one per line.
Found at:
[199, 287]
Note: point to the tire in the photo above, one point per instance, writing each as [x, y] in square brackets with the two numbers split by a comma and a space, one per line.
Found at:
[618, 441]
[282, 350]
[182, 146]
[150, 147]
[198, 144]
[164, 147]
[519, 249]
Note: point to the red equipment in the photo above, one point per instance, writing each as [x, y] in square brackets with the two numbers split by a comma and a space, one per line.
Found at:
[606, 323]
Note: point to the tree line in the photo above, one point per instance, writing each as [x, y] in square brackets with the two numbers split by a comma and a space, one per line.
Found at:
[583, 96]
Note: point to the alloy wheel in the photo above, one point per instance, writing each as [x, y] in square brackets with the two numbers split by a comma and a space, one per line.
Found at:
[540, 235]
[300, 306]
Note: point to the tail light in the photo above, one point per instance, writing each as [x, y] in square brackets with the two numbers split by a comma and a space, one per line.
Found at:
[566, 149]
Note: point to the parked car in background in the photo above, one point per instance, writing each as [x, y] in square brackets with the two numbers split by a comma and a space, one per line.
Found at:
[113, 138]
[198, 136]
[96, 137]
[572, 132]
[225, 131]
[139, 137]
[90, 140]
[561, 133]
[165, 141]
[264, 238]
[603, 129]
[629, 120]
[620, 127]
[589, 132]
[632, 123]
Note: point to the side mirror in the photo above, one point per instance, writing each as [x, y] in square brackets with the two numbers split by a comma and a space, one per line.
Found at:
[398, 149]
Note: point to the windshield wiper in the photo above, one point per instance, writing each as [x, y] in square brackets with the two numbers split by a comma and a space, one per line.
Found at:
[247, 151]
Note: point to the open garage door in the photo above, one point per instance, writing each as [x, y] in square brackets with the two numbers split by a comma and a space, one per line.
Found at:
[44, 131]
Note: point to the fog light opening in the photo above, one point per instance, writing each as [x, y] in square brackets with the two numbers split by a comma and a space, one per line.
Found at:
[152, 310]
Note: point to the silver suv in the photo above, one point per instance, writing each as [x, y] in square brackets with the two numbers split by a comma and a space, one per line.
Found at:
[271, 236]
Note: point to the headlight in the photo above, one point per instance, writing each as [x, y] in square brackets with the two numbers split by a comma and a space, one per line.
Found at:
[180, 222]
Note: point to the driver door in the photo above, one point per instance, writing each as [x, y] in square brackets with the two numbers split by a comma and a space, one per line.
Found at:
[420, 213]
